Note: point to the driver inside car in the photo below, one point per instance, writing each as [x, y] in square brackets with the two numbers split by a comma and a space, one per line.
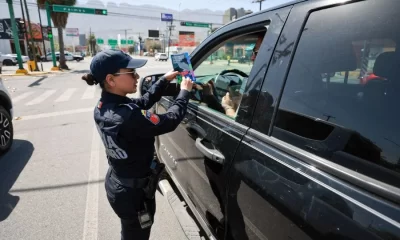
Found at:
[230, 102]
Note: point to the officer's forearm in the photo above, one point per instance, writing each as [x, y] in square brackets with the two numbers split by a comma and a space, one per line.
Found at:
[176, 112]
[153, 95]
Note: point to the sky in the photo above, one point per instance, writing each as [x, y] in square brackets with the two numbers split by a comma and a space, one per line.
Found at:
[221, 5]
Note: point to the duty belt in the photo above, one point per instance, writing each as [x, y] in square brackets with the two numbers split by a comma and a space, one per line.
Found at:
[128, 182]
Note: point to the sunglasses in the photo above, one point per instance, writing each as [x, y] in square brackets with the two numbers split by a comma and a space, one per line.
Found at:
[133, 73]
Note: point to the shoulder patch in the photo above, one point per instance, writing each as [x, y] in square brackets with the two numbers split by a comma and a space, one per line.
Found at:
[153, 118]
[100, 104]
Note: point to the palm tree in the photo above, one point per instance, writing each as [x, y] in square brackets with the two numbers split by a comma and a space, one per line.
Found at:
[92, 44]
[59, 21]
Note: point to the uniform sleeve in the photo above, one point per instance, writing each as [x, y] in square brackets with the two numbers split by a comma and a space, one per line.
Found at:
[153, 95]
[144, 123]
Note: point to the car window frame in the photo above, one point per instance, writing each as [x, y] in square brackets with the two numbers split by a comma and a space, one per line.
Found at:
[293, 31]
[249, 24]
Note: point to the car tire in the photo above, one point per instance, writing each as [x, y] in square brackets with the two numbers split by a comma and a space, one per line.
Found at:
[6, 131]
[78, 60]
[7, 62]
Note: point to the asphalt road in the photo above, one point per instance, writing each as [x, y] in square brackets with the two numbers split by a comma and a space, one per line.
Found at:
[52, 180]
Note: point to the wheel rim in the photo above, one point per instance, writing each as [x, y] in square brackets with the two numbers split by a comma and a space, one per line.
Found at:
[5, 130]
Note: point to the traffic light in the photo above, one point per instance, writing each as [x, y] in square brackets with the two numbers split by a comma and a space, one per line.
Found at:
[100, 11]
[49, 32]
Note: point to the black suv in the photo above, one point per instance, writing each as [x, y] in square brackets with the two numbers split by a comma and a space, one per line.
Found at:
[312, 150]
[6, 117]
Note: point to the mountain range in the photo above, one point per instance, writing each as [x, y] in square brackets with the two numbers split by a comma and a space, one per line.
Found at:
[132, 20]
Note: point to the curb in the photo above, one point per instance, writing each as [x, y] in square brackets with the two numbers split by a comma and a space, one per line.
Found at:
[32, 73]
[188, 225]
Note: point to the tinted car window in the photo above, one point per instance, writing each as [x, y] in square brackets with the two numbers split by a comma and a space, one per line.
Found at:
[341, 96]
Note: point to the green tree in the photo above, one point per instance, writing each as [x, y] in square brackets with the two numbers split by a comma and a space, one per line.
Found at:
[60, 22]
[91, 42]
[156, 46]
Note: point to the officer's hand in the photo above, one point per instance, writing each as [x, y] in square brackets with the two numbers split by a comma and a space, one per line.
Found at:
[186, 84]
[171, 75]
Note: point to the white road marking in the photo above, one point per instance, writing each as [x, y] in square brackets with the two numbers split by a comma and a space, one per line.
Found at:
[90, 227]
[22, 96]
[89, 92]
[42, 97]
[55, 114]
[66, 95]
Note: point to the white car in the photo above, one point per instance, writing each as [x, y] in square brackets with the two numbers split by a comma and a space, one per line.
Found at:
[24, 58]
[8, 60]
[68, 56]
[161, 57]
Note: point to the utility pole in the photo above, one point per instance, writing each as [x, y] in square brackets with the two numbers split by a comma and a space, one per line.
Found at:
[258, 1]
[30, 33]
[25, 33]
[41, 30]
[53, 55]
[90, 42]
[170, 28]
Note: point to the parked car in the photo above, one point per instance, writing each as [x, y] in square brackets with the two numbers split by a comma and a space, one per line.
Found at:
[161, 57]
[76, 57]
[68, 56]
[8, 60]
[23, 57]
[304, 156]
[6, 116]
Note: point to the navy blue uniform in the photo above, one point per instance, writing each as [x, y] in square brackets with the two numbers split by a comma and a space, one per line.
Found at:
[128, 130]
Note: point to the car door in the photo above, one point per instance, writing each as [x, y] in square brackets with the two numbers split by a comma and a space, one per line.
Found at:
[69, 57]
[321, 159]
[199, 153]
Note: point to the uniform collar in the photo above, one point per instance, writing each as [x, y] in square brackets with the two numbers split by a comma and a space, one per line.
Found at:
[111, 97]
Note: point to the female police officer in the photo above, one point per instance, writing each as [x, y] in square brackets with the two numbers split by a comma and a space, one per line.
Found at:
[127, 130]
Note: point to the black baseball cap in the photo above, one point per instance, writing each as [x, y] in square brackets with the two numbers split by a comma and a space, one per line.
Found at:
[110, 62]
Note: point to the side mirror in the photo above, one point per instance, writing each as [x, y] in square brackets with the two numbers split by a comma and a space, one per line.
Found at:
[146, 82]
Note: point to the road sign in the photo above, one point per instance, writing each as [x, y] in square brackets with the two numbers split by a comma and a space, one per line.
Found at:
[69, 9]
[112, 42]
[72, 32]
[131, 42]
[123, 41]
[166, 17]
[6, 29]
[195, 24]
[100, 41]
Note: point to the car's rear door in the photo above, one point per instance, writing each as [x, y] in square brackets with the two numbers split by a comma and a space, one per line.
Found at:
[199, 152]
[321, 159]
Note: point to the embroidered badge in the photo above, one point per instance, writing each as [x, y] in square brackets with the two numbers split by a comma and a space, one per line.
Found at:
[151, 117]
[99, 105]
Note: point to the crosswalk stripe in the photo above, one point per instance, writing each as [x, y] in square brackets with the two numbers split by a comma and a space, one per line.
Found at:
[89, 92]
[66, 95]
[42, 97]
[22, 96]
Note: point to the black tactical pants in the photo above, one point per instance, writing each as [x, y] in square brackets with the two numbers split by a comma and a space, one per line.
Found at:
[126, 203]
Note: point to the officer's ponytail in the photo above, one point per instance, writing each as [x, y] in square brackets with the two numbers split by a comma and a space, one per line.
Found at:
[89, 78]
